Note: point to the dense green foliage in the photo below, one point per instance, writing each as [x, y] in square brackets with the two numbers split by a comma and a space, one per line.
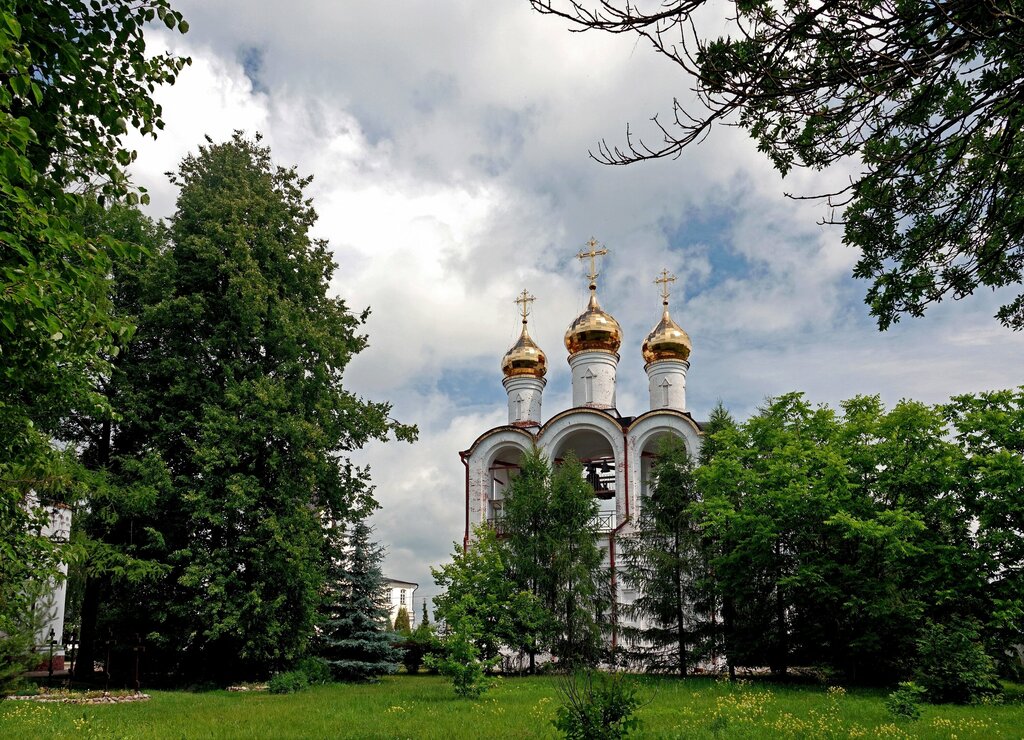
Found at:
[288, 682]
[698, 708]
[477, 591]
[921, 96]
[418, 645]
[905, 702]
[952, 664]
[75, 77]
[460, 657]
[355, 638]
[847, 540]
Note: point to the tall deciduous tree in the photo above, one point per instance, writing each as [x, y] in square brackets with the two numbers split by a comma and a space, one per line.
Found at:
[841, 538]
[921, 95]
[664, 562]
[115, 557]
[477, 587]
[76, 76]
[990, 429]
[355, 638]
[234, 378]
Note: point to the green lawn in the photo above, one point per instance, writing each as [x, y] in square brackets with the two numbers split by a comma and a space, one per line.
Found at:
[424, 707]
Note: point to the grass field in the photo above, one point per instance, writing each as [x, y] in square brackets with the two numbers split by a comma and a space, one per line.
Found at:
[425, 707]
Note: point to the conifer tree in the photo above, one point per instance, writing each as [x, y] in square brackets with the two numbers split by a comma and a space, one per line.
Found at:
[402, 623]
[554, 557]
[663, 561]
[355, 639]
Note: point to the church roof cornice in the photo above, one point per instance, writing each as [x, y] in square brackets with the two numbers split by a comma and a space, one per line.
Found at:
[524, 431]
[685, 415]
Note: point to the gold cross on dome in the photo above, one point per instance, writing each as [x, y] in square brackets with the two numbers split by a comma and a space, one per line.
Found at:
[664, 281]
[592, 255]
[524, 300]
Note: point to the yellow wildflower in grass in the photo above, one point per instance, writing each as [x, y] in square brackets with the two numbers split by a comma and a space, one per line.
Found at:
[891, 730]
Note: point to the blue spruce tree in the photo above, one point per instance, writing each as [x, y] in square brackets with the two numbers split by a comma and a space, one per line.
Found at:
[354, 637]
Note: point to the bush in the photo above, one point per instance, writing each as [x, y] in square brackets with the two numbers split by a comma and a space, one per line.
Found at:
[288, 682]
[460, 660]
[952, 664]
[317, 670]
[597, 706]
[422, 642]
[903, 703]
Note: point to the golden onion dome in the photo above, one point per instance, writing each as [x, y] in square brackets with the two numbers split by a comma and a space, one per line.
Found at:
[524, 358]
[594, 329]
[667, 341]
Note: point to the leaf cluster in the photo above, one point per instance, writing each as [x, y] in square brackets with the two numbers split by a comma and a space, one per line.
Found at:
[922, 96]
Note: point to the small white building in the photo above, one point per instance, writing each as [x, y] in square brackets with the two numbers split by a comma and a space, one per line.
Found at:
[399, 594]
[48, 608]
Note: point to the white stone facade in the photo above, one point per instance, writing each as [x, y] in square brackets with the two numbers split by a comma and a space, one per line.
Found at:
[593, 378]
[524, 399]
[667, 384]
[399, 594]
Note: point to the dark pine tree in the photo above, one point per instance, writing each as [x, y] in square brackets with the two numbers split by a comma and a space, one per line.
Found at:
[355, 639]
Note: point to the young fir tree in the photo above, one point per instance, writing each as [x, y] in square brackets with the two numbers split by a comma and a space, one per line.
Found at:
[554, 558]
[579, 596]
[355, 639]
[528, 546]
[664, 562]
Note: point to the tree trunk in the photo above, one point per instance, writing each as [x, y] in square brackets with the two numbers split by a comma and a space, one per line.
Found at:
[86, 655]
[680, 608]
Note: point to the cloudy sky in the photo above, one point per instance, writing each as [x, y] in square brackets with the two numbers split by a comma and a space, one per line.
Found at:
[449, 145]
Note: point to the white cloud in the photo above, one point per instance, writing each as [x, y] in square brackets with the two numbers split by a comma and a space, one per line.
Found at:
[449, 148]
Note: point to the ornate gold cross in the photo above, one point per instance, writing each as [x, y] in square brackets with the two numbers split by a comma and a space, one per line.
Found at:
[592, 255]
[663, 281]
[524, 300]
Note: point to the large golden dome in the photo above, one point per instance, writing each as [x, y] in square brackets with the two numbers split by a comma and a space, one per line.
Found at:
[524, 358]
[593, 329]
[667, 341]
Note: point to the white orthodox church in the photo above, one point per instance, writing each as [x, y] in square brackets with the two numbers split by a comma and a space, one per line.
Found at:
[616, 450]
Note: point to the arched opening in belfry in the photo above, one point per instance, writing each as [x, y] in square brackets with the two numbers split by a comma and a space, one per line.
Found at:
[596, 455]
[504, 467]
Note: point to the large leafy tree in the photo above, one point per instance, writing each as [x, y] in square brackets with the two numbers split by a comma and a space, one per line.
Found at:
[990, 429]
[840, 539]
[76, 76]
[114, 556]
[922, 95]
[664, 562]
[235, 380]
[478, 587]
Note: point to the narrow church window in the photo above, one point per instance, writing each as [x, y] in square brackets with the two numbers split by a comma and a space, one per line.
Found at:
[401, 598]
[519, 406]
[665, 385]
[588, 386]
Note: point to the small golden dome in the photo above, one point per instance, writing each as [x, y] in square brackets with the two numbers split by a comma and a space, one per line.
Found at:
[525, 358]
[667, 341]
[593, 329]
